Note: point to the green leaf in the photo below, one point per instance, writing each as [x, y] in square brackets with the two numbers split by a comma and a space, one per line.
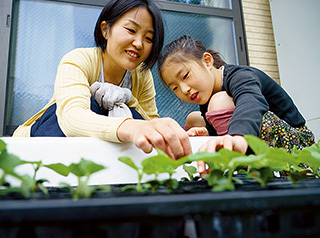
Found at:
[90, 166]
[152, 185]
[279, 159]
[8, 162]
[129, 187]
[202, 155]
[251, 160]
[295, 177]
[43, 188]
[160, 163]
[66, 185]
[59, 168]
[170, 184]
[262, 175]
[76, 170]
[256, 144]
[222, 185]
[216, 160]
[85, 168]
[214, 176]
[128, 161]
[104, 188]
[3, 146]
[310, 157]
[190, 170]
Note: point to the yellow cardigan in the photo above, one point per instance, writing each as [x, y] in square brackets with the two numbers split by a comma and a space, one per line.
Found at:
[77, 71]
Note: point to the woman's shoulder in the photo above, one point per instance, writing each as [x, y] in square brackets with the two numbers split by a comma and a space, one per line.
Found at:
[92, 54]
[139, 73]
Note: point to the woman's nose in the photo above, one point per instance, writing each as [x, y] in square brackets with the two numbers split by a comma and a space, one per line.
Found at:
[137, 42]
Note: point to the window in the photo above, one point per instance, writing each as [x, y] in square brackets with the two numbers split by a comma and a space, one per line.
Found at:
[42, 31]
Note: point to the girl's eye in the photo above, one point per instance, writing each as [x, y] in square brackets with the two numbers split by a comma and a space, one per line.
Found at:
[174, 88]
[185, 76]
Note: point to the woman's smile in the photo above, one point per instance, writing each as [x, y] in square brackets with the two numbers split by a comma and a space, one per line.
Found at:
[133, 54]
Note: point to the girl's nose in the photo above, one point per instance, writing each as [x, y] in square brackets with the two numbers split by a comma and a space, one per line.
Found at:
[185, 88]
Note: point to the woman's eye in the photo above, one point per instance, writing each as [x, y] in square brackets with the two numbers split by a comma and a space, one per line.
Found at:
[174, 88]
[185, 76]
[130, 30]
[149, 39]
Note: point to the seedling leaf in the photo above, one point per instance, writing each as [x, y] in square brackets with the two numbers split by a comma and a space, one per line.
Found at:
[59, 168]
[256, 144]
[3, 146]
[128, 161]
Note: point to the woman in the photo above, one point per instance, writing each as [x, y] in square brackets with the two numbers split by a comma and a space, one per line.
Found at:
[129, 37]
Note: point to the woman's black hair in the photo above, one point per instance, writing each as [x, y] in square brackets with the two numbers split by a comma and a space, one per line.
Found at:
[116, 8]
[186, 48]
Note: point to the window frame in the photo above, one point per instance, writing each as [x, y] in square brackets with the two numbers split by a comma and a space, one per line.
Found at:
[6, 29]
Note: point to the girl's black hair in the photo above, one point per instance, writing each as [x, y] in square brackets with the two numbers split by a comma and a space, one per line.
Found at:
[116, 8]
[186, 48]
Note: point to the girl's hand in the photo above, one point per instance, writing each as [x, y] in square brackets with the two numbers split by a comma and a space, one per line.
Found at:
[198, 131]
[234, 143]
[164, 134]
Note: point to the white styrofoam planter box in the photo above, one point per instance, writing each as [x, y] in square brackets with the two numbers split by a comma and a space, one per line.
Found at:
[71, 149]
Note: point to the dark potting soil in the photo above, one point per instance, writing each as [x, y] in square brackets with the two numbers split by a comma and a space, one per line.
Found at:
[185, 187]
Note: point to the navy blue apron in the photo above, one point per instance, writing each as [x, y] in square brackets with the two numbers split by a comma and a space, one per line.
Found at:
[48, 125]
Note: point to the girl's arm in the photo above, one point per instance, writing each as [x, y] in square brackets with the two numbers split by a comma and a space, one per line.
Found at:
[235, 143]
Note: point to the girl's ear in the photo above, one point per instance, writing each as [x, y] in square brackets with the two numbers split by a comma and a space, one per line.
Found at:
[207, 59]
[104, 29]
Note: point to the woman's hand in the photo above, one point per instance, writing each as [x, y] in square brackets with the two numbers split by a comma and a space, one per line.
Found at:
[198, 131]
[164, 134]
[234, 143]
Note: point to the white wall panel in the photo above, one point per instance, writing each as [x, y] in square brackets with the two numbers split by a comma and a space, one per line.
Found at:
[297, 34]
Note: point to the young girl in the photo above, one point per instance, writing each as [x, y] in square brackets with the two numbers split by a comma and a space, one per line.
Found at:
[113, 78]
[234, 100]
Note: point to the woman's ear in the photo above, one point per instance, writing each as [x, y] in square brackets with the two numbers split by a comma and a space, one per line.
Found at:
[207, 59]
[104, 29]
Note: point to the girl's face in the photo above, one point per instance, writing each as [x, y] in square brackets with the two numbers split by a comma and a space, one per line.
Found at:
[190, 81]
[129, 41]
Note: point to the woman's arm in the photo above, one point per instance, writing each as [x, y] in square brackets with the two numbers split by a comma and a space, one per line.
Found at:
[76, 72]
[164, 134]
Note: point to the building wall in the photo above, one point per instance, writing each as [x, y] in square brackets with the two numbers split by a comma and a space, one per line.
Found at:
[260, 38]
[282, 40]
[297, 33]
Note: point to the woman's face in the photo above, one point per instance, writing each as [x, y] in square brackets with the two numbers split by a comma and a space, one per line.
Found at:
[130, 39]
[190, 81]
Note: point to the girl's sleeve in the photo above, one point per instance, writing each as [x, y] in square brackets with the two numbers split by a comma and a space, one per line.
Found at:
[250, 104]
[76, 72]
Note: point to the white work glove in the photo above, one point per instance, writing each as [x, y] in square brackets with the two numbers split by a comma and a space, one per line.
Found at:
[112, 98]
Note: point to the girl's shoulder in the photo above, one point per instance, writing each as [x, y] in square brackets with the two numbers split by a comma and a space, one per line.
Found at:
[244, 73]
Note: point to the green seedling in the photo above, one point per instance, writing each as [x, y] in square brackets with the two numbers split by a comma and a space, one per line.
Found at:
[155, 165]
[8, 163]
[161, 163]
[191, 171]
[38, 183]
[128, 161]
[83, 170]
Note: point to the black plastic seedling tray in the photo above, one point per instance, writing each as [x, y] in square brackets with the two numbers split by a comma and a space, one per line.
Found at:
[193, 210]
